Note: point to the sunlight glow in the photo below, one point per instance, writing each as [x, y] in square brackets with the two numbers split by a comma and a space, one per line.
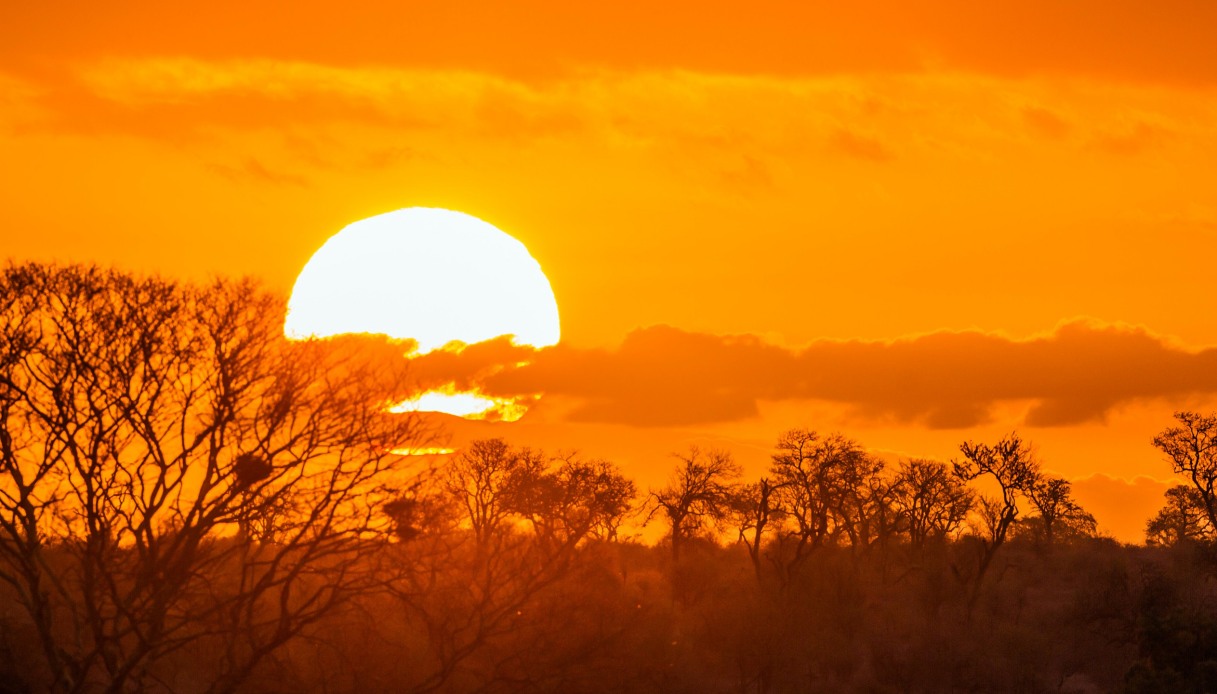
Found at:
[423, 451]
[462, 404]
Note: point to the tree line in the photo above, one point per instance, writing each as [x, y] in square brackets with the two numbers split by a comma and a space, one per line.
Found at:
[192, 503]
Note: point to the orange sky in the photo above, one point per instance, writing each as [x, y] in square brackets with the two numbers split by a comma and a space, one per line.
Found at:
[916, 223]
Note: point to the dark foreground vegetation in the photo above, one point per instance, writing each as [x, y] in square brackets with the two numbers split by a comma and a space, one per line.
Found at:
[191, 503]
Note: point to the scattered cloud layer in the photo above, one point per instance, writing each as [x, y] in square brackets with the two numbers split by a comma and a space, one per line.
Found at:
[675, 111]
[1166, 41]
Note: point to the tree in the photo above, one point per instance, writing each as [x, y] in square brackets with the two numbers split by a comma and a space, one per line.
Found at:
[1010, 464]
[575, 500]
[483, 478]
[1192, 450]
[1059, 514]
[177, 475]
[824, 489]
[476, 586]
[1183, 519]
[932, 502]
[698, 494]
[880, 519]
[752, 510]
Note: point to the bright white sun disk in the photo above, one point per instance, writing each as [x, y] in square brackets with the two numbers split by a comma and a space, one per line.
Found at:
[427, 274]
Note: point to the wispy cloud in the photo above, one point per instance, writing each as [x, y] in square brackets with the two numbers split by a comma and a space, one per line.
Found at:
[1092, 38]
[867, 116]
[251, 169]
[861, 146]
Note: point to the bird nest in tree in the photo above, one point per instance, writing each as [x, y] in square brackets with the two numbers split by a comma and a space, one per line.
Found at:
[250, 468]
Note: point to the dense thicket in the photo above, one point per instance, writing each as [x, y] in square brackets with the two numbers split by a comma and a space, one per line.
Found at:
[191, 503]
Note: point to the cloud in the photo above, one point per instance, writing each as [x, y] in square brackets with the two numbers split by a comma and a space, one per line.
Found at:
[856, 113]
[663, 376]
[253, 170]
[1046, 122]
[860, 146]
[1132, 140]
[174, 80]
[750, 132]
[750, 176]
[1083, 37]
[467, 367]
[187, 93]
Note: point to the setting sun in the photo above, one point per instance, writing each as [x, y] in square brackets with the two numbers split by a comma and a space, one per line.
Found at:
[431, 275]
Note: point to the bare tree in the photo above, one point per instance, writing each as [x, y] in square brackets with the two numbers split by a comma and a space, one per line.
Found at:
[803, 469]
[575, 500]
[1059, 514]
[520, 523]
[932, 502]
[1192, 450]
[1010, 464]
[828, 491]
[482, 479]
[752, 511]
[880, 519]
[1183, 519]
[698, 494]
[177, 475]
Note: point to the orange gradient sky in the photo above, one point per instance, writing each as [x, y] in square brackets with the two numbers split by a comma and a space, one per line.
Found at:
[914, 223]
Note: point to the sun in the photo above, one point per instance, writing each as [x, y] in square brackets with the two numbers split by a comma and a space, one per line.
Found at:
[442, 278]
[431, 275]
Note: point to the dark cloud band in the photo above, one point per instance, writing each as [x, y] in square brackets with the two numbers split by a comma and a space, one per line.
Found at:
[663, 376]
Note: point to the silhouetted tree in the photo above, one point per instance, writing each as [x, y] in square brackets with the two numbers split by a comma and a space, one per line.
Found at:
[1010, 464]
[862, 505]
[575, 500]
[823, 488]
[422, 509]
[483, 480]
[1192, 450]
[177, 475]
[751, 511]
[1058, 513]
[1183, 519]
[882, 520]
[698, 494]
[931, 501]
[477, 586]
